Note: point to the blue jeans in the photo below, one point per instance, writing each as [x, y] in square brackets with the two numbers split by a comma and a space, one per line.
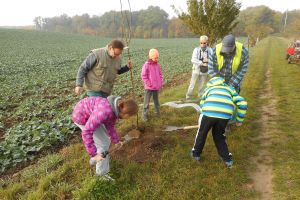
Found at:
[97, 94]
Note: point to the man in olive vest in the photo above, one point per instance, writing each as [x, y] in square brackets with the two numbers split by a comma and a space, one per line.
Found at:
[229, 60]
[99, 70]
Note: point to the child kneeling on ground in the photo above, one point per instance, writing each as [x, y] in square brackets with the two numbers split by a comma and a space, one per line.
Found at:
[96, 117]
[217, 107]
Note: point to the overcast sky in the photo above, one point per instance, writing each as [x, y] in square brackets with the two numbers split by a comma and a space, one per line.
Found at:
[22, 12]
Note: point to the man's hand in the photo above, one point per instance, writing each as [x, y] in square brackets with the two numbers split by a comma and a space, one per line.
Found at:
[78, 90]
[129, 64]
[238, 124]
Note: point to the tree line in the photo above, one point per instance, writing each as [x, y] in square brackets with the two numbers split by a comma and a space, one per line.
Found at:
[153, 22]
[260, 21]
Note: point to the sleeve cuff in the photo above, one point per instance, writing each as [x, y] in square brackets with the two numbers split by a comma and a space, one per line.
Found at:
[115, 140]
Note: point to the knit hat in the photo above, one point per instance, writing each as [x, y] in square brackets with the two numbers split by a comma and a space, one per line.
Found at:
[228, 44]
[153, 53]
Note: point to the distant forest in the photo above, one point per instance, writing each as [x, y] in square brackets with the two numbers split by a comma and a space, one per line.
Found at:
[153, 22]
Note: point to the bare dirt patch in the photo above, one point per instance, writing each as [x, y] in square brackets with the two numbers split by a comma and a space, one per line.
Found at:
[262, 176]
[148, 147]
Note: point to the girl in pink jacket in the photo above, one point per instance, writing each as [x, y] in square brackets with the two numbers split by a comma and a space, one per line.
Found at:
[96, 117]
[153, 80]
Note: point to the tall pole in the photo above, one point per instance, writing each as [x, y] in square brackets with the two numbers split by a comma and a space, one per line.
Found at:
[127, 33]
[285, 20]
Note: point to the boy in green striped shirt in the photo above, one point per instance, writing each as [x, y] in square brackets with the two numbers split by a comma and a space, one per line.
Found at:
[218, 104]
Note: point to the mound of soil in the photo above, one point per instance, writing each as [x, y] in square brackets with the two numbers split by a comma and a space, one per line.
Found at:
[148, 147]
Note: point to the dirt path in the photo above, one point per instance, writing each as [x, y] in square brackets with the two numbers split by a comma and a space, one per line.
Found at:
[262, 176]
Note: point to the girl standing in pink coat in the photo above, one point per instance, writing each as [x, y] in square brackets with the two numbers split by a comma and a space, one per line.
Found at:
[153, 80]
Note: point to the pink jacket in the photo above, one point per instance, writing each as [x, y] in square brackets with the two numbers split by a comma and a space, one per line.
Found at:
[92, 112]
[152, 75]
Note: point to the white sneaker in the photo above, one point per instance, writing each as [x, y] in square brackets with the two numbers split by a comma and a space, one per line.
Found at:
[106, 177]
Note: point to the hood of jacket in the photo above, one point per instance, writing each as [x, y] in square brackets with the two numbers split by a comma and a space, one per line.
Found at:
[215, 81]
[113, 101]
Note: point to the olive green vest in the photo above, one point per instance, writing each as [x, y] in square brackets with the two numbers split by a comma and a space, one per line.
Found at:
[102, 76]
[236, 60]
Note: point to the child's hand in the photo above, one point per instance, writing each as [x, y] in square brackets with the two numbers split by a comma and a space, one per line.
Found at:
[98, 158]
[118, 145]
[238, 124]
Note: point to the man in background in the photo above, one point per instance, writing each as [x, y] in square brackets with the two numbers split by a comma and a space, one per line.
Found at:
[200, 62]
[229, 60]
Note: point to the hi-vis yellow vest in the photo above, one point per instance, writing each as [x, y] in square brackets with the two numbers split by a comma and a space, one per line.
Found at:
[236, 60]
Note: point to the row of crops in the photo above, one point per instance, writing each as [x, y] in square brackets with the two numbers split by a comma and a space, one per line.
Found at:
[37, 75]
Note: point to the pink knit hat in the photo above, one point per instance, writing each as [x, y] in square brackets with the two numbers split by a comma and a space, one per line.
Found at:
[153, 53]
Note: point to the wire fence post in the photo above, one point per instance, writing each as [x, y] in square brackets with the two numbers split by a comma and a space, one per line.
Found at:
[127, 35]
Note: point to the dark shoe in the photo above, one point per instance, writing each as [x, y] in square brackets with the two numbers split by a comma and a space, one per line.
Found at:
[229, 164]
[195, 157]
[230, 155]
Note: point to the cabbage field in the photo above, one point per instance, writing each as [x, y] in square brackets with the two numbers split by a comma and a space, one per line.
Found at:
[37, 74]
